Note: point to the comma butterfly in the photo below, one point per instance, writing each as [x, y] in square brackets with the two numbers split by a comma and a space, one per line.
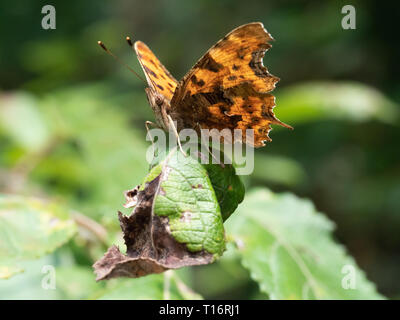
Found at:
[228, 88]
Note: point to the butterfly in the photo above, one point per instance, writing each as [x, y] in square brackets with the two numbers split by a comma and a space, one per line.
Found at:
[228, 88]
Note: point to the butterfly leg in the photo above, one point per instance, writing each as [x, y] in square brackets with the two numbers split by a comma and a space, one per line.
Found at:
[171, 122]
[147, 124]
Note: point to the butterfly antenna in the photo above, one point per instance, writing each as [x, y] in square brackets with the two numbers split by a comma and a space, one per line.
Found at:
[128, 39]
[101, 44]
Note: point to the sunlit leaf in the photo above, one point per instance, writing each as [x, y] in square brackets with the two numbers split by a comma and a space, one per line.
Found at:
[29, 229]
[227, 185]
[187, 198]
[289, 250]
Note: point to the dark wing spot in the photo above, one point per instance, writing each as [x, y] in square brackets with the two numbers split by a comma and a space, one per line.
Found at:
[215, 97]
[266, 112]
[209, 63]
[241, 52]
[231, 78]
[199, 83]
[160, 87]
[255, 120]
[234, 119]
[235, 67]
[151, 72]
[193, 79]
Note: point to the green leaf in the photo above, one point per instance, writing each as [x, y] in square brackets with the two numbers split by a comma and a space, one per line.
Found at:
[28, 285]
[228, 187]
[22, 121]
[153, 287]
[187, 198]
[289, 250]
[176, 222]
[335, 100]
[29, 229]
[77, 282]
[70, 281]
[224, 278]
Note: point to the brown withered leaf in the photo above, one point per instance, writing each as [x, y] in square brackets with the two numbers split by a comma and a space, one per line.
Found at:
[150, 246]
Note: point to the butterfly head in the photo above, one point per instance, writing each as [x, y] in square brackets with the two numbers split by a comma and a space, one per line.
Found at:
[160, 106]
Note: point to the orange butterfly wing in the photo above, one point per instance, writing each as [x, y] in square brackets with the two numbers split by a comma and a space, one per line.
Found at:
[157, 75]
[228, 87]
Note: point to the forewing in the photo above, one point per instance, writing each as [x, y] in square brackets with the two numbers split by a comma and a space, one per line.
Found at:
[158, 77]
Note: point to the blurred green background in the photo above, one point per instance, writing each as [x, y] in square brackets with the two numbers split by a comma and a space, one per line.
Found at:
[72, 120]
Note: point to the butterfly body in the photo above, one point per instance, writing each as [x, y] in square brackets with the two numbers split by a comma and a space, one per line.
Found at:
[228, 88]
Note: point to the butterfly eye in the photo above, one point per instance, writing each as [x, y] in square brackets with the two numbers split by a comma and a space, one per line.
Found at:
[159, 101]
